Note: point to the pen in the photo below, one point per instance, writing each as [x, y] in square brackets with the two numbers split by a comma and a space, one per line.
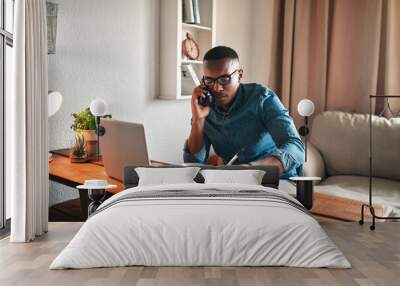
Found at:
[234, 158]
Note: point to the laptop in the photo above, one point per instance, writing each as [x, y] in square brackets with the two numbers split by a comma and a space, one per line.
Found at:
[123, 143]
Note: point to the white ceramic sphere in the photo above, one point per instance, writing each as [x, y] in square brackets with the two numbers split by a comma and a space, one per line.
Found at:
[98, 107]
[305, 107]
[54, 101]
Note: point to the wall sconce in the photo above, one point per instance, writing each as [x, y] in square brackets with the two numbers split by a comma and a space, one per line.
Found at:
[98, 107]
[305, 108]
[54, 102]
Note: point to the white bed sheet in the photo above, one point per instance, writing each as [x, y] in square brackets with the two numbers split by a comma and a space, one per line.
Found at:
[200, 231]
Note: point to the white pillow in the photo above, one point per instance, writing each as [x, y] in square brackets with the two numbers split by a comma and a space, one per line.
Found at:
[248, 177]
[162, 176]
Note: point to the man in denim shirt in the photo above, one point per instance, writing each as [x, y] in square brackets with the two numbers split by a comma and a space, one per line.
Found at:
[244, 118]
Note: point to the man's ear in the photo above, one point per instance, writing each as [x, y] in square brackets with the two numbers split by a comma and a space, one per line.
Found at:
[240, 72]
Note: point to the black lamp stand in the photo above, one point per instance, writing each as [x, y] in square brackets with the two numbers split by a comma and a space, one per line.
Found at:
[369, 205]
[303, 131]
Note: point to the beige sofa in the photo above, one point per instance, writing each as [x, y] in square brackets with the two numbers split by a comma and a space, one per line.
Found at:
[338, 152]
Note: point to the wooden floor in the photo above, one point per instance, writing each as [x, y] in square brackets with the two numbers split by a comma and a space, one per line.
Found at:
[374, 255]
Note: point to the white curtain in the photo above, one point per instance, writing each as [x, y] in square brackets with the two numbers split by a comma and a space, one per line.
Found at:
[27, 142]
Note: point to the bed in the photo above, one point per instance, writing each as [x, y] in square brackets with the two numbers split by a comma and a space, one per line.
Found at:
[201, 224]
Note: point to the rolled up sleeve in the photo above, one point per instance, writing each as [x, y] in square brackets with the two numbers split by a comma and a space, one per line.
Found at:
[277, 121]
[199, 157]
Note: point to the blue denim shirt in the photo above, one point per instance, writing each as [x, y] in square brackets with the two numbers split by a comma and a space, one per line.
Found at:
[258, 122]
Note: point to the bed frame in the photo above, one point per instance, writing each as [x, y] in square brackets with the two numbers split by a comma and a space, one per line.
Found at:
[270, 179]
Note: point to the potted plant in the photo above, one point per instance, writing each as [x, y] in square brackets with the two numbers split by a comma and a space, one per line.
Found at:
[85, 123]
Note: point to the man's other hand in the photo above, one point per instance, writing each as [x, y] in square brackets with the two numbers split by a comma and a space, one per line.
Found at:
[215, 160]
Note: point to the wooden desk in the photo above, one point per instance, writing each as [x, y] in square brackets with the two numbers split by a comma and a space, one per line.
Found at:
[62, 171]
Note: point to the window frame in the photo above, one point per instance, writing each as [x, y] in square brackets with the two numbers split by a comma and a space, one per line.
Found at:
[6, 39]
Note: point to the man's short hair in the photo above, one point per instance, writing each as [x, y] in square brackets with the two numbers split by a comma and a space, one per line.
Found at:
[219, 53]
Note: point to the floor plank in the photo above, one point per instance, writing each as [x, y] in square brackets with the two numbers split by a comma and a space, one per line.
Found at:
[375, 257]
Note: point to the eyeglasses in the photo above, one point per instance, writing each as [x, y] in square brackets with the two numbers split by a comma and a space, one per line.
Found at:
[222, 80]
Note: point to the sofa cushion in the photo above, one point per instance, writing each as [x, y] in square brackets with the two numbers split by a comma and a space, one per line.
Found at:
[315, 165]
[385, 192]
[343, 140]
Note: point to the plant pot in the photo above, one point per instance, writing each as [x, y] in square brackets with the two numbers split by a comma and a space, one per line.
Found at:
[75, 159]
[91, 141]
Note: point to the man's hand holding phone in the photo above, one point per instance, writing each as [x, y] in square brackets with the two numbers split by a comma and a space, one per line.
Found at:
[199, 111]
[199, 115]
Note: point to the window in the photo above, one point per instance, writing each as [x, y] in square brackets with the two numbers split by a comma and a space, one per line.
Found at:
[6, 43]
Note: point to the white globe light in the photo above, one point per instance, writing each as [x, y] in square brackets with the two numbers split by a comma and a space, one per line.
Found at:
[305, 107]
[98, 107]
[54, 101]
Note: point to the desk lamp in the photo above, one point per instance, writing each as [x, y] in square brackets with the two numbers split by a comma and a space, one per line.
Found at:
[305, 109]
[98, 107]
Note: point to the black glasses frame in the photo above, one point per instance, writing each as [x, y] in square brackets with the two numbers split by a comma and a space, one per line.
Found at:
[214, 80]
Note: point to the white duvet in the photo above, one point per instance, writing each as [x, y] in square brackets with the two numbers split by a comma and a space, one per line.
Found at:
[183, 231]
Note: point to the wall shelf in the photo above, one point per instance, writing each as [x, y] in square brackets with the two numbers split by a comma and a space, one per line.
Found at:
[189, 62]
[175, 84]
[187, 96]
[195, 26]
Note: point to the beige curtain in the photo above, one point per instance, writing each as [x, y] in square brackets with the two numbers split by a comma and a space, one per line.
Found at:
[335, 52]
[26, 145]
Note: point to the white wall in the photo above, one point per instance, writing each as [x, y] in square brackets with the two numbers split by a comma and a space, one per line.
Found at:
[264, 32]
[234, 29]
[110, 49]
[247, 27]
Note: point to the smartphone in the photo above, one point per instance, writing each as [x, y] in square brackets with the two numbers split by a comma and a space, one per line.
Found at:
[205, 99]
